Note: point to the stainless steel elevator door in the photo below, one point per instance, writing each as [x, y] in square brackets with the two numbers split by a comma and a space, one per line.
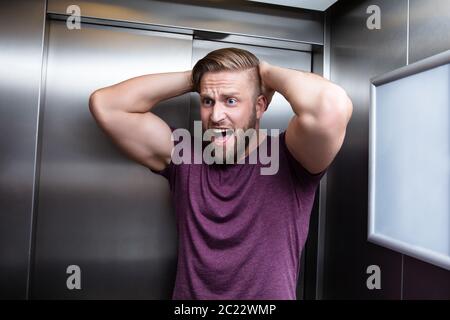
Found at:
[96, 208]
[279, 112]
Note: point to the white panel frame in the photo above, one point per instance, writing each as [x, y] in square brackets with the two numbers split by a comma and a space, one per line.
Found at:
[320, 5]
[415, 251]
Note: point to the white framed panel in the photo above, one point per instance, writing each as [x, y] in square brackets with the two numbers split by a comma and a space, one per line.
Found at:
[409, 160]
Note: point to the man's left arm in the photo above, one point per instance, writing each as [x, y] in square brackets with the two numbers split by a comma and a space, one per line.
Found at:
[322, 110]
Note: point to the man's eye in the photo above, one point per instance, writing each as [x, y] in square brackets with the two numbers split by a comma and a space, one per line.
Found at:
[231, 101]
[207, 101]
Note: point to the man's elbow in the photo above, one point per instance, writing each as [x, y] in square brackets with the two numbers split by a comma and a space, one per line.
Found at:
[94, 99]
[96, 104]
[337, 102]
[347, 104]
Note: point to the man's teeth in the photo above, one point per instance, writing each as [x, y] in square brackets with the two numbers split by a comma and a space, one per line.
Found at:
[222, 132]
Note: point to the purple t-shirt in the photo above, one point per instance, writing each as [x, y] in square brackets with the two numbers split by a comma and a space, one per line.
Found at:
[240, 232]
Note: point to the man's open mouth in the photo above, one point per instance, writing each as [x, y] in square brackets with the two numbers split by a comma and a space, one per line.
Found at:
[221, 135]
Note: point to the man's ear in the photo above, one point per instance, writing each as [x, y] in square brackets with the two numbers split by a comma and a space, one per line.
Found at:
[261, 106]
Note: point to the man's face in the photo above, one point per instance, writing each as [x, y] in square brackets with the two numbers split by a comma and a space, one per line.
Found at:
[228, 103]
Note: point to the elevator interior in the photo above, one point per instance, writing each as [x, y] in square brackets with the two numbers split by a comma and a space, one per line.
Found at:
[95, 209]
[68, 197]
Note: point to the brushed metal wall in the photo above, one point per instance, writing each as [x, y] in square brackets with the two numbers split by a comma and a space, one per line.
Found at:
[357, 54]
[233, 17]
[97, 209]
[21, 46]
[429, 28]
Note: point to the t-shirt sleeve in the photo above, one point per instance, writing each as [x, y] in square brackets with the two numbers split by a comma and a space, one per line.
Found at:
[167, 172]
[297, 168]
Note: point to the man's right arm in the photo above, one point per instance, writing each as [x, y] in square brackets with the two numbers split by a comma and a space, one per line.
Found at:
[122, 111]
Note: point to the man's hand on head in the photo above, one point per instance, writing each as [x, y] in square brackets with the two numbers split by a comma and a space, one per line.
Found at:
[266, 90]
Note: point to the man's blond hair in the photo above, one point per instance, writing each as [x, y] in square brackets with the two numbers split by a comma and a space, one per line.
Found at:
[228, 59]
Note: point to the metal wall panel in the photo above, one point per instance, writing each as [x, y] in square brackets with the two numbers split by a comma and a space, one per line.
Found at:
[97, 209]
[429, 28]
[234, 17]
[422, 280]
[315, 246]
[21, 47]
[429, 33]
[357, 54]
[376, 52]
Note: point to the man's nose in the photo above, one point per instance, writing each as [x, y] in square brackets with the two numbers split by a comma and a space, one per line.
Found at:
[218, 113]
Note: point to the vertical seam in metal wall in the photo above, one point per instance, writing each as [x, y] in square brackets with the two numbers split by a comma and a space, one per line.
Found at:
[36, 155]
[407, 63]
[401, 279]
[407, 33]
[323, 184]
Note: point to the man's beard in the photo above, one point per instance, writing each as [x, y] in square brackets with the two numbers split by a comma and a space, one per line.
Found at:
[231, 155]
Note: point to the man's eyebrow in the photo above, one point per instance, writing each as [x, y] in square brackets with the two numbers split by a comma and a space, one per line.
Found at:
[226, 94]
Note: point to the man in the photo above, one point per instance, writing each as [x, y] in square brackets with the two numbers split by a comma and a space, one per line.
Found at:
[240, 232]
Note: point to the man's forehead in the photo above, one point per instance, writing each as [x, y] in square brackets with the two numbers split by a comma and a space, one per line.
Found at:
[219, 91]
[229, 83]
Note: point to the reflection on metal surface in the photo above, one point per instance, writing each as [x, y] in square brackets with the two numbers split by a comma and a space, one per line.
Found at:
[357, 54]
[429, 28]
[233, 17]
[97, 209]
[21, 47]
